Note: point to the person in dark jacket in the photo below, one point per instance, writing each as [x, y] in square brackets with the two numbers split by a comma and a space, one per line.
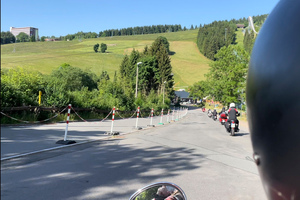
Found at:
[232, 114]
[222, 111]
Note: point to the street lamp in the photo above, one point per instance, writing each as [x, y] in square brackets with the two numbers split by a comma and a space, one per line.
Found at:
[164, 93]
[137, 74]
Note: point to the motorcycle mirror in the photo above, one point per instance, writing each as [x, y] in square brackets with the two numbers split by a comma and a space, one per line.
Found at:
[159, 191]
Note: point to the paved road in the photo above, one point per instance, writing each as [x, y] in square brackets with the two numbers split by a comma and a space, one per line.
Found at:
[17, 140]
[195, 153]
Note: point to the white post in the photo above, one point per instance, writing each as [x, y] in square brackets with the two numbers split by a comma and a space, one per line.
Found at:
[66, 131]
[168, 116]
[137, 117]
[161, 116]
[151, 117]
[112, 120]
[172, 115]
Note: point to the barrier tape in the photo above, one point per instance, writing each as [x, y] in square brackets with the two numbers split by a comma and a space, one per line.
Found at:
[34, 122]
[78, 115]
[126, 118]
[106, 116]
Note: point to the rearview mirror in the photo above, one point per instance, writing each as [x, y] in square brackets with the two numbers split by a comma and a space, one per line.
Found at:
[159, 191]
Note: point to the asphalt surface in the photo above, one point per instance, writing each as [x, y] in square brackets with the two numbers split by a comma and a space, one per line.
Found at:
[195, 153]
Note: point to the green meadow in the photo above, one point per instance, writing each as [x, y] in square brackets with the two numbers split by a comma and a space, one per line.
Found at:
[189, 65]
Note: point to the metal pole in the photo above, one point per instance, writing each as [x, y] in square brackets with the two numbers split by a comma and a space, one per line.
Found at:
[137, 74]
[66, 131]
[136, 83]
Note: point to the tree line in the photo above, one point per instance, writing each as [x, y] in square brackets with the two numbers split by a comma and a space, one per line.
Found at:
[84, 89]
[8, 37]
[212, 37]
[226, 80]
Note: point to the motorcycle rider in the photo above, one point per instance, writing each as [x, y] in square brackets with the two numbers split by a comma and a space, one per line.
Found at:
[223, 114]
[214, 114]
[273, 89]
[232, 115]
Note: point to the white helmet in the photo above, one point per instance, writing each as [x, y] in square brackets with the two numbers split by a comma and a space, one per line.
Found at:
[232, 105]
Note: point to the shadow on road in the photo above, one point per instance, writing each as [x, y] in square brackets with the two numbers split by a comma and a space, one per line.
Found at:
[100, 169]
[241, 134]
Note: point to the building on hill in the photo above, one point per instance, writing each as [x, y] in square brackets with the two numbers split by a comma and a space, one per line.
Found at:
[240, 26]
[183, 96]
[28, 30]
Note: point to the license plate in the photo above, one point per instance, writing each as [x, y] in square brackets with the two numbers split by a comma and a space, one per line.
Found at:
[232, 125]
[223, 120]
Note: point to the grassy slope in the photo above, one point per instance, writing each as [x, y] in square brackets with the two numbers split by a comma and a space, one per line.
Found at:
[239, 37]
[188, 64]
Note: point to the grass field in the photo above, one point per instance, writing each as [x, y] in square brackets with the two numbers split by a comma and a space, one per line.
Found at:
[239, 38]
[188, 64]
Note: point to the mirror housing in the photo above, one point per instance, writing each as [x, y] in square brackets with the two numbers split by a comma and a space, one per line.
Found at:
[159, 191]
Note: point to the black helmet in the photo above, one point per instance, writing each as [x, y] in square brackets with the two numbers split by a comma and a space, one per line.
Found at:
[273, 101]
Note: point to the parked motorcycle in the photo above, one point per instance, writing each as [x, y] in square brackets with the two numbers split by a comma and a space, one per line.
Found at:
[159, 191]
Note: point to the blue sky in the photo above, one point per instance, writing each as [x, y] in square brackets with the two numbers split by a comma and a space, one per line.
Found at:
[62, 17]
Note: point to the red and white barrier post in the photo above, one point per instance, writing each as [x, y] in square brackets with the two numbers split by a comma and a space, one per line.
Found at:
[67, 125]
[65, 141]
[137, 118]
[172, 115]
[112, 120]
[151, 120]
[161, 116]
[168, 116]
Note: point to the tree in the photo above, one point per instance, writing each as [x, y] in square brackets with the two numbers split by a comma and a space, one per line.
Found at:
[103, 47]
[43, 38]
[199, 90]
[156, 44]
[96, 47]
[7, 37]
[22, 37]
[227, 75]
[32, 38]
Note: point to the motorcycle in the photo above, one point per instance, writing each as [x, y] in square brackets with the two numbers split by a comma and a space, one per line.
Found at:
[209, 113]
[159, 191]
[223, 118]
[215, 117]
[232, 127]
[203, 109]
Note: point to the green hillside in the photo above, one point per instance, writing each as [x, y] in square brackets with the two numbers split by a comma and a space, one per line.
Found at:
[188, 64]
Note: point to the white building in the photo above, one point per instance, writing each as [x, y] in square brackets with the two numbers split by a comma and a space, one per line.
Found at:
[28, 30]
